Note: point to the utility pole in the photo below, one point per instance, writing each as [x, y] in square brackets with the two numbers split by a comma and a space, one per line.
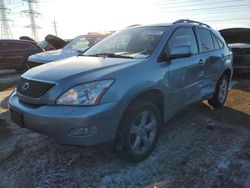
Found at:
[55, 26]
[5, 28]
[32, 14]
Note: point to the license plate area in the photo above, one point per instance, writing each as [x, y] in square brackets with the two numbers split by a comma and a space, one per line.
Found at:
[16, 117]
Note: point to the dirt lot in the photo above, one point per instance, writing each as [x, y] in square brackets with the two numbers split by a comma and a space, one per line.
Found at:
[200, 147]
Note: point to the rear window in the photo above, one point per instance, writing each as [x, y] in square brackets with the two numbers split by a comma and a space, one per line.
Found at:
[206, 41]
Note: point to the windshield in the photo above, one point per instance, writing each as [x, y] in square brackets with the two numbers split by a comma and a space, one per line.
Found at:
[78, 44]
[42, 44]
[130, 43]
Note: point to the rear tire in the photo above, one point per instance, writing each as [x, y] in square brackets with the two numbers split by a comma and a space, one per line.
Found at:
[221, 92]
[139, 131]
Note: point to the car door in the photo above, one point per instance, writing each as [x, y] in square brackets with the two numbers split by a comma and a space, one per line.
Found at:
[2, 60]
[13, 55]
[211, 60]
[184, 74]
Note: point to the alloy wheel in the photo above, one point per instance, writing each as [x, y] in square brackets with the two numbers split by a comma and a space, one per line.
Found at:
[143, 131]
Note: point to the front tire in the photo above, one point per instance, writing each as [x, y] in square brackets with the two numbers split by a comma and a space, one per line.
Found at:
[221, 92]
[139, 131]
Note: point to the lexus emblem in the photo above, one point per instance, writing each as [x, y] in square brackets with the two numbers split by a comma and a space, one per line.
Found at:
[25, 86]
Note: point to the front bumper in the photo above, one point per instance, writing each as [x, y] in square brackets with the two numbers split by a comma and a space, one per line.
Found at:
[71, 125]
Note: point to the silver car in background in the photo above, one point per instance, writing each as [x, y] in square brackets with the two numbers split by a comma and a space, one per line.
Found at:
[73, 48]
[125, 87]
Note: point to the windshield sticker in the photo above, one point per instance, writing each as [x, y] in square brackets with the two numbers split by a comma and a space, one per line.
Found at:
[153, 32]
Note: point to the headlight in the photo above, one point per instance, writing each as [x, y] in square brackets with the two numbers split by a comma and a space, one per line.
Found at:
[85, 94]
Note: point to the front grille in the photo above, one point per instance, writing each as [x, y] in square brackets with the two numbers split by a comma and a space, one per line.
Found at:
[31, 88]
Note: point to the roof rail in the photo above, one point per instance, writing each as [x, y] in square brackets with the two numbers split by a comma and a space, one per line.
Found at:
[191, 21]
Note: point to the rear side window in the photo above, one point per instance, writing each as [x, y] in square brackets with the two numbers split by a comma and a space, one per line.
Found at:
[2, 45]
[22, 46]
[206, 41]
[16, 46]
[184, 36]
[221, 44]
[216, 44]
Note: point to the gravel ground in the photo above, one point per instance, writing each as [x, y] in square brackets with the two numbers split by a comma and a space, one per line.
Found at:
[200, 147]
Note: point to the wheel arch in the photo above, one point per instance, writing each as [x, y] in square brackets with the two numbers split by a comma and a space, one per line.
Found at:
[228, 72]
[153, 95]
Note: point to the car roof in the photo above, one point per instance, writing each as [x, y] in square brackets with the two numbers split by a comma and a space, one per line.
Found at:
[17, 40]
[182, 22]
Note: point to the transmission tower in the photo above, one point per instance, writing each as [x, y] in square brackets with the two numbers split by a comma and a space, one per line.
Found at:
[5, 28]
[55, 26]
[32, 14]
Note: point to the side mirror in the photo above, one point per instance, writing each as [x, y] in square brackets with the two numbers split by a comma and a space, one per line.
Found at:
[176, 52]
[180, 52]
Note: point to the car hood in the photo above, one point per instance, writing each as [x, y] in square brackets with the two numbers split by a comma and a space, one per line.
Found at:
[54, 55]
[74, 67]
[236, 35]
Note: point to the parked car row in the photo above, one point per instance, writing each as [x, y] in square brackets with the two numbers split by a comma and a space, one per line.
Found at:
[25, 54]
[122, 89]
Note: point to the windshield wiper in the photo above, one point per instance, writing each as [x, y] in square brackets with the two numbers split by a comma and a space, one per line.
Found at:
[111, 55]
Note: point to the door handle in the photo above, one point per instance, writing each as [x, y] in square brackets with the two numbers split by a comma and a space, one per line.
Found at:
[201, 62]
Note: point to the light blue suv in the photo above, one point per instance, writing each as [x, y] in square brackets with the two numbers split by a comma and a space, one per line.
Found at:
[125, 87]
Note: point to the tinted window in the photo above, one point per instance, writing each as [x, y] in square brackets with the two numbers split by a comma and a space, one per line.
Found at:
[3, 45]
[206, 42]
[21, 46]
[221, 44]
[16, 46]
[184, 36]
[216, 44]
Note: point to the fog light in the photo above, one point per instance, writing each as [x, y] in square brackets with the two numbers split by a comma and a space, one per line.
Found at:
[83, 131]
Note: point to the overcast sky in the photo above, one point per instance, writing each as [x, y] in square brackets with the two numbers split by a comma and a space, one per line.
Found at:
[75, 17]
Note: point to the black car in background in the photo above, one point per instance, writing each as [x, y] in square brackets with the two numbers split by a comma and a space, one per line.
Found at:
[14, 53]
[239, 41]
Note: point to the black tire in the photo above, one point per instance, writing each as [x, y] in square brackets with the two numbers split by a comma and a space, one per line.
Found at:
[124, 135]
[218, 101]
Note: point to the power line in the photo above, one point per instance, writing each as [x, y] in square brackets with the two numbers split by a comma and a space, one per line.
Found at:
[32, 14]
[197, 4]
[217, 12]
[208, 8]
[233, 19]
[5, 28]
[173, 1]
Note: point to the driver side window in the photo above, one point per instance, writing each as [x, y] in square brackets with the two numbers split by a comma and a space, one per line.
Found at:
[183, 36]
